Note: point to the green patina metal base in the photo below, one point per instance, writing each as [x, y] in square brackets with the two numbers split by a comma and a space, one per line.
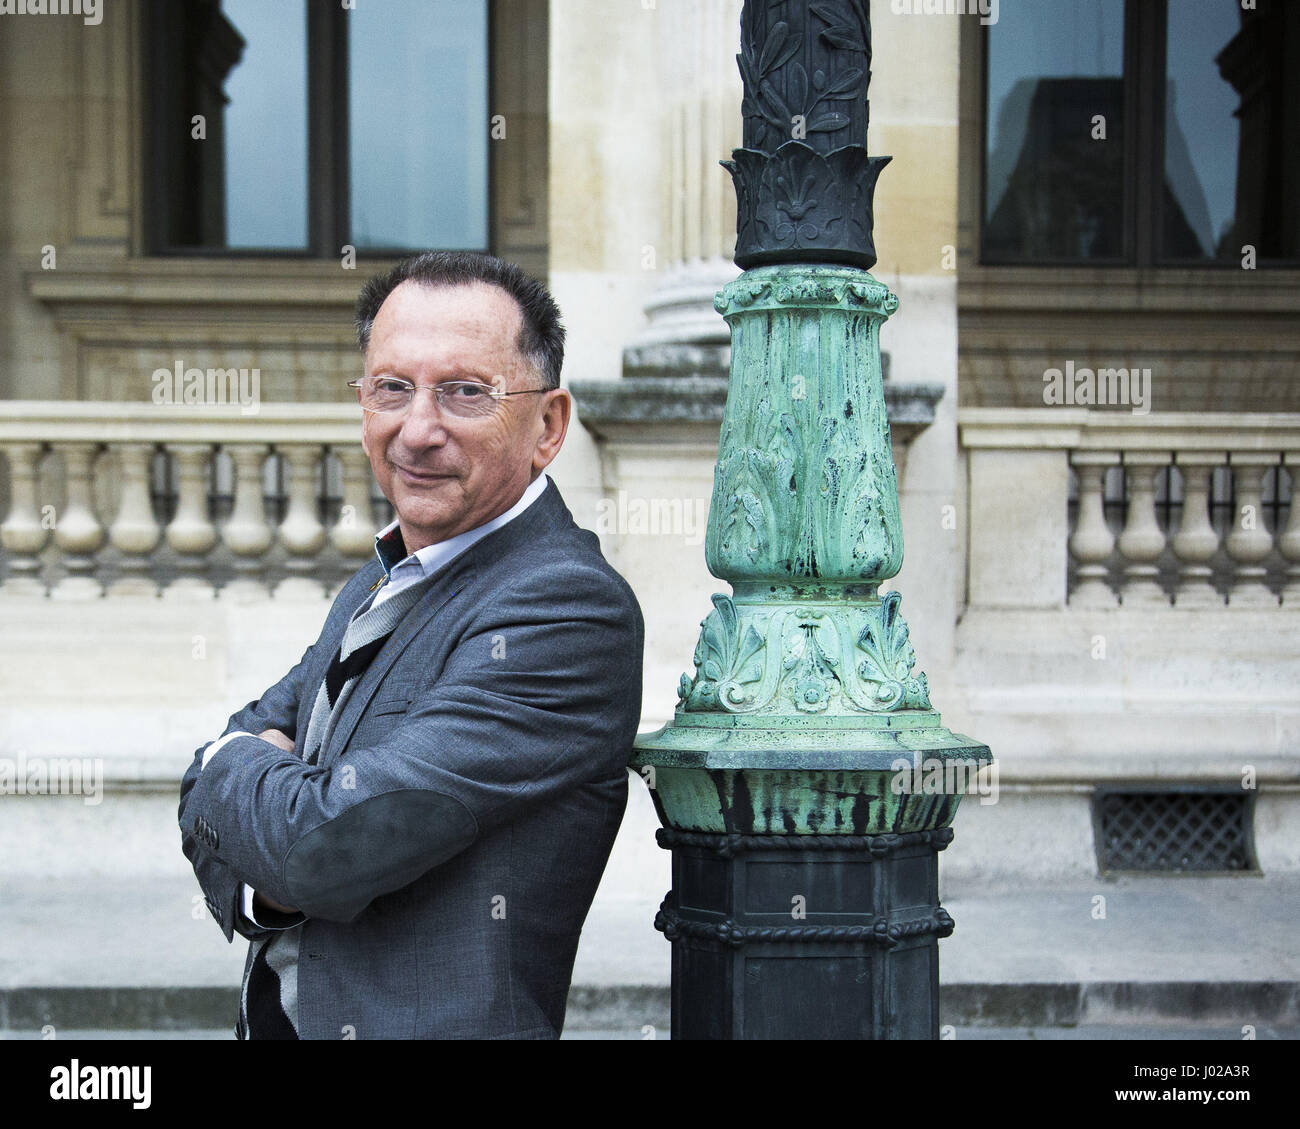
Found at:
[803, 707]
[803, 744]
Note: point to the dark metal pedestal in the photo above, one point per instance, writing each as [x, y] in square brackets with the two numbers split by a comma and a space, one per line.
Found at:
[805, 937]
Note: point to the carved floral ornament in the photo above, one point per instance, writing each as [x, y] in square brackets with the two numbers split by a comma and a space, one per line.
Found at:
[804, 181]
[762, 524]
[818, 660]
[850, 290]
[804, 486]
[819, 85]
[798, 204]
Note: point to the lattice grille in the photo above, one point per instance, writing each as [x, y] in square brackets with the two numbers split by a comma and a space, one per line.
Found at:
[1174, 831]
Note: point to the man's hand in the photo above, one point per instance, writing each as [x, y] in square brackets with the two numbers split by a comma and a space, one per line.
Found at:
[261, 901]
[281, 741]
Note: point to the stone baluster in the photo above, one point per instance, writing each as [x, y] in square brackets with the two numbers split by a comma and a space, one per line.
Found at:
[23, 533]
[1250, 543]
[1289, 543]
[247, 533]
[77, 531]
[135, 532]
[301, 532]
[1142, 541]
[191, 533]
[1092, 542]
[353, 534]
[1196, 542]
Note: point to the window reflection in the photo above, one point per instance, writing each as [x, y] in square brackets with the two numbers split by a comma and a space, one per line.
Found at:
[266, 126]
[300, 126]
[1054, 161]
[1232, 131]
[419, 123]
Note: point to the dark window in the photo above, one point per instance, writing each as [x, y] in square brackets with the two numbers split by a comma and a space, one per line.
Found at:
[1142, 132]
[321, 126]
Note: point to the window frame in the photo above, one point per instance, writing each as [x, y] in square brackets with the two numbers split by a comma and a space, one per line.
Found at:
[328, 201]
[1145, 55]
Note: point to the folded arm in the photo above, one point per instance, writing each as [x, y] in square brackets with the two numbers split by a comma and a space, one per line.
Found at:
[277, 709]
[531, 703]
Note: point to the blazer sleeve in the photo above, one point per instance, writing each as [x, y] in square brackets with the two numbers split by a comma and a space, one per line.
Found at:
[275, 709]
[541, 694]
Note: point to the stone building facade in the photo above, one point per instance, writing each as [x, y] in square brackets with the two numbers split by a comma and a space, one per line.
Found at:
[1106, 596]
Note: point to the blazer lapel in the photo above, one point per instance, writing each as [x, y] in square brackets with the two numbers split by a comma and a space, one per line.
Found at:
[330, 642]
[544, 517]
[442, 589]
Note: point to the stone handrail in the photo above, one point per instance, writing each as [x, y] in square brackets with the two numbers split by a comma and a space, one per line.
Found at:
[1022, 545]
[84, 519]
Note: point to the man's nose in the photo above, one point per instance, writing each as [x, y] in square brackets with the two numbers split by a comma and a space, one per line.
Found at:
[422, 425]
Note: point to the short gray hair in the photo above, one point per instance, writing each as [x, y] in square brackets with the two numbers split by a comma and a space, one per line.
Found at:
[541, 339]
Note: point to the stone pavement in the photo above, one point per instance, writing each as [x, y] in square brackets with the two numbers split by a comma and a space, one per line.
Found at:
[1177, 956]
[1112, 1033]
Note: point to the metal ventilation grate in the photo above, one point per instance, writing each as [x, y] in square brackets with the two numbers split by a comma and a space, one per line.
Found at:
[1174, 831]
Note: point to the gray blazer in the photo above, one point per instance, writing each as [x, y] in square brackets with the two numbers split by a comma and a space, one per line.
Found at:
[448, 843]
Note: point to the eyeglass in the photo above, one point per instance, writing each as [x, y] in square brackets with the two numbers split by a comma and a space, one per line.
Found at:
[466, 399]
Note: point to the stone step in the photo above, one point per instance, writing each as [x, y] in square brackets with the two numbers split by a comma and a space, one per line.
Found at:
[641, 1011]
[139, 953]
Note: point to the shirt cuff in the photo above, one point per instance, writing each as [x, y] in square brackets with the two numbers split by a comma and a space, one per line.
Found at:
[248, 913]
[217, 745]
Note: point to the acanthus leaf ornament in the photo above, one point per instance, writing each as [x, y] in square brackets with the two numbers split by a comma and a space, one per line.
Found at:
[810, 680]
[890, 658]
[724, 660]
[833, 658]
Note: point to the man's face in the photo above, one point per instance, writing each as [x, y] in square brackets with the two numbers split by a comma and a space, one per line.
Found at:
[443, 474]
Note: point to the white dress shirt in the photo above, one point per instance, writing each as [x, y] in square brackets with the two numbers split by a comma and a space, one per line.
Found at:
[424, 562]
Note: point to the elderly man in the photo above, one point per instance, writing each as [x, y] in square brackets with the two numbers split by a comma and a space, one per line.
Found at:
[410, 826]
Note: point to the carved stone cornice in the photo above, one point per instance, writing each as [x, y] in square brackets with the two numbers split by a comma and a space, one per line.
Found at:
[129, 302]
[642, 408]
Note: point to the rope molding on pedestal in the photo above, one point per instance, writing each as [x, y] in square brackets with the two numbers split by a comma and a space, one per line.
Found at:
[878, 846]
[727, 932]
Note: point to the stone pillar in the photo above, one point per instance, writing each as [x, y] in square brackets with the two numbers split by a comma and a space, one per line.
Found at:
[1249, 543]
[701, 100]
[301, 532]
[1142, 541]
[1289, 543]
[191, 533]
[1092, 542]
[1196, 542]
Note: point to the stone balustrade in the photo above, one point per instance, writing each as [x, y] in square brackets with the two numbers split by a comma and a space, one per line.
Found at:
[109, 498]
[1089, 508]
[1102, 508]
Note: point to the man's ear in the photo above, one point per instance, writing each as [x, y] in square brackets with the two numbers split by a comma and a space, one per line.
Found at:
[553, 426]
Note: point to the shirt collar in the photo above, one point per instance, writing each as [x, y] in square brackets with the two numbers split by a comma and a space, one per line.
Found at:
[391, 549]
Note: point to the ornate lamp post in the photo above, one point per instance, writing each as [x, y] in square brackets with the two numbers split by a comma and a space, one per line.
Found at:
[805, 783]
